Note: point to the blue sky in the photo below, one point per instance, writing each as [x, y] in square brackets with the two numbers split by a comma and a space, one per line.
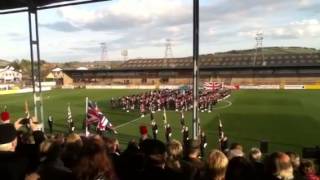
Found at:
[142, 26]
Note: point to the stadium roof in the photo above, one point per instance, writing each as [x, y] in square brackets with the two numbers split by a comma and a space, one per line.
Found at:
[15, 6]
[228, 61]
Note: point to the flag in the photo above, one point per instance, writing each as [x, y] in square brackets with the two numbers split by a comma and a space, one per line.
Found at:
[223, 139]
[182, 121]
[164, 117]
[26, 109]
[220, 130]
[70, 120]
[95, 116]
[168, 132]
[151, 116]
[50, 123]
[212, 86]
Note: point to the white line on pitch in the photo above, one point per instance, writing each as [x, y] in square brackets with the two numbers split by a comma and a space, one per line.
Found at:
[225, 106]
[124, 124]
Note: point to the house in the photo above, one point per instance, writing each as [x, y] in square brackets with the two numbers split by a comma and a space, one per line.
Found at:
[9, 74]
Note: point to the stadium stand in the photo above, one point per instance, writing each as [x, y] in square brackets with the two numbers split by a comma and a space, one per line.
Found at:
[231, 68]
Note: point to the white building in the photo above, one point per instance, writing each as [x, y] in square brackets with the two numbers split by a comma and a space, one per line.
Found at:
[56, 73]
[8, 74]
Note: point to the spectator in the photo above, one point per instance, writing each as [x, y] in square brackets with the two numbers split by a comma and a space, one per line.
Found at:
[132, 162]
[278, 166]
[234, 153]
[93, 163]
[193, 157]
[308, 170]
[236, 150]
[217, 165]
[51, 166]
[240, 168]
[16, 159]
[193, 154]
[295, 161]
[175, 162]
[71, 151]
[236, 146]
[12, 165]
[113, 151]
[155, 153]
[255, 156]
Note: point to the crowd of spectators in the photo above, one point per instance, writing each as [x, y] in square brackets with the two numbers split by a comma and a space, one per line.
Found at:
[27, 153]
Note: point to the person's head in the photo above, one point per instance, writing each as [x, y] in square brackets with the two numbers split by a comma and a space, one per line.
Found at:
[174, 149]
[217, 163]
[235, 153]
[8, 137]
[50, 150]
[143, 132]
[59, 138]
[240, 168]
[255, 155]
[73, 138]
[295, 159]
[5, 117]
[193, 148]
[93, 162]
[133, 146]
[307, 167]
[278, 164]
[155, 152]
[236, 146]
[112, 144]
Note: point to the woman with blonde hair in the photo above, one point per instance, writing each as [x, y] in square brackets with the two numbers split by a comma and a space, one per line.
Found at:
[217, 165]
[174, 161]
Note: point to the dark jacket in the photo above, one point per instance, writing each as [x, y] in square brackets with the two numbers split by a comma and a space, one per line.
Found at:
[54, 170]
[13, 166]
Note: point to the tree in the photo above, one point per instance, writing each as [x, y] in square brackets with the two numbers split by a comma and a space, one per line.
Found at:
[15, 64]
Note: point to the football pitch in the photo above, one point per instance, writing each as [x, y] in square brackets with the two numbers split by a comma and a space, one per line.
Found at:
[287, 119]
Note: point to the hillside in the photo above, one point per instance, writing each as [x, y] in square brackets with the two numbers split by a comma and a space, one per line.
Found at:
[274, 50]
[3, 62]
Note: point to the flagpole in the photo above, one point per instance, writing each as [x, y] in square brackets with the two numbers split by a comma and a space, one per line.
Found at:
[195, 122]
[86, 125]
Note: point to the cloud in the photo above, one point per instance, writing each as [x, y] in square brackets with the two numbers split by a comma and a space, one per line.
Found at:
[16, 36]
[61, 26]
[293, 30]
[145, 24]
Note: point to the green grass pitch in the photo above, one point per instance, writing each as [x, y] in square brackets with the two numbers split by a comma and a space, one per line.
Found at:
[288, 119]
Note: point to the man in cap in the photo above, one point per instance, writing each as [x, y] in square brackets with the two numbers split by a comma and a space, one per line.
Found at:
[12, 165]
[17, 159]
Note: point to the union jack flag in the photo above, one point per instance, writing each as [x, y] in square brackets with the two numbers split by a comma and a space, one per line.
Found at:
[95, 116]
[212, 86]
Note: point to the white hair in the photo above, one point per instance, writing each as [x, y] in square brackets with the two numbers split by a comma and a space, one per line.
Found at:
[10, 146]
[235, 153]
[255, 154]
